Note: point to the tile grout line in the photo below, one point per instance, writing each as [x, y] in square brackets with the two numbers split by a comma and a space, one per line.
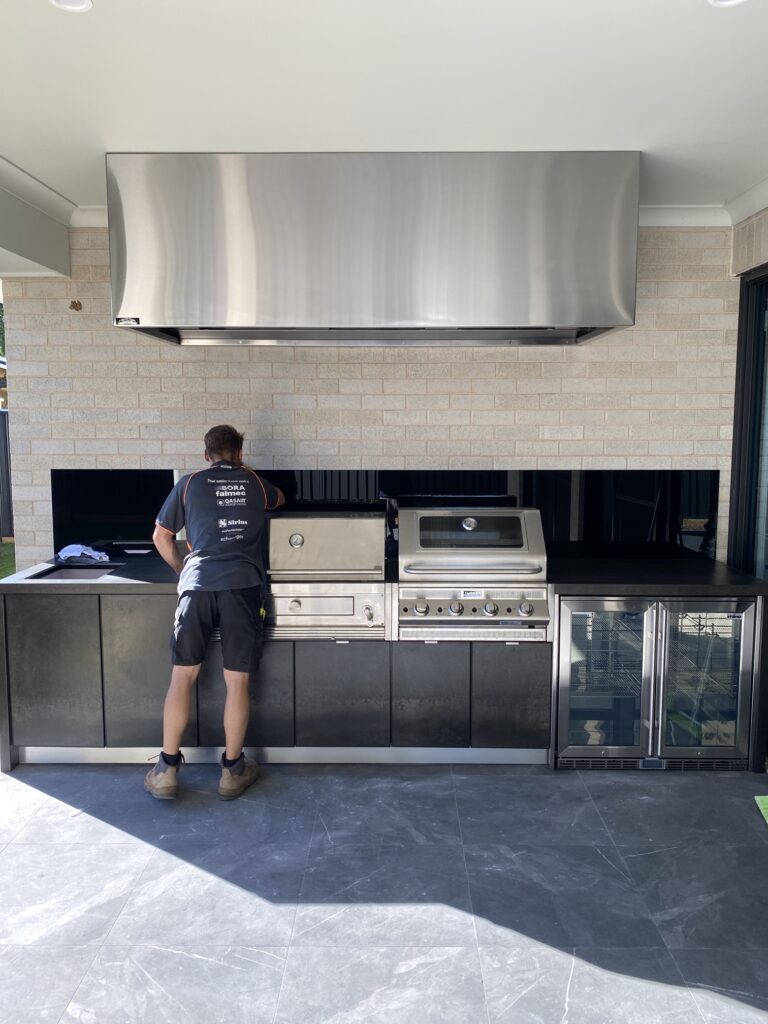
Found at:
[469, 894]
[622, 861]
[289, 946]
[667, 949]
[687, 986]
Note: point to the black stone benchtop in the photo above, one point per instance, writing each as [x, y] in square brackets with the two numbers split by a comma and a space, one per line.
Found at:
[647, 570]
[138, 574]
[573, 569]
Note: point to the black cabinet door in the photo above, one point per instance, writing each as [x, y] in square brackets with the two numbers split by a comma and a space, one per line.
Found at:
[342, 693]
[271, 689]
[511, 695]
[135, 643]
[430, 694]
[54, 667]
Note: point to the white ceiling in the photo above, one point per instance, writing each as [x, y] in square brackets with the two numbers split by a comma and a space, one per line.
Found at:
[682, 81]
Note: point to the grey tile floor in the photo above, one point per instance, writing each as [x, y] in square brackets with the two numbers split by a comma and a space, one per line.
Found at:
[341, 895]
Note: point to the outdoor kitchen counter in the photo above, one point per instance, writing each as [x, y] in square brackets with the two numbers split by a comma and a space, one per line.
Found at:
[132, 577]
[588, 575]
[85, 665]
[630, 577]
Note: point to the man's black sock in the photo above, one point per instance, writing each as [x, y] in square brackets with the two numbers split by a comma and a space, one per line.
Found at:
[171, 759]
[231, 762]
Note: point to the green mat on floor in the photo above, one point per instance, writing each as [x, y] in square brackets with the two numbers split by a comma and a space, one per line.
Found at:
[762, 803]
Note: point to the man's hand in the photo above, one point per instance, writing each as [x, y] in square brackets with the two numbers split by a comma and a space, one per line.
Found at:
[165, 542]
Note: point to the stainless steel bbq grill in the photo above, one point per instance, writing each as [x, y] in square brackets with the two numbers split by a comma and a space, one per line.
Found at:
[472, 574]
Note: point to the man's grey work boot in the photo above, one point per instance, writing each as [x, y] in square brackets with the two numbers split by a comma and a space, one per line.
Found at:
[238, 778]
[162, 780]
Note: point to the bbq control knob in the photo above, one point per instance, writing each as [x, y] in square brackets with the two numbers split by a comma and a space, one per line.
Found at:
[490, 608]
[368, 612]
[420, 608]
[526, 608]
[294, 605]
[455, 607]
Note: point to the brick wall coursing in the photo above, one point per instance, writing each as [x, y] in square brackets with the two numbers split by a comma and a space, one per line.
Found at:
[660, 395]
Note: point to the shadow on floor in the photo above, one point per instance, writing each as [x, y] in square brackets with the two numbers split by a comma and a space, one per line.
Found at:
[389, 894]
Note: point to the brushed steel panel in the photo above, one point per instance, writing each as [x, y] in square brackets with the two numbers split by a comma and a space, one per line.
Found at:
[359, 241]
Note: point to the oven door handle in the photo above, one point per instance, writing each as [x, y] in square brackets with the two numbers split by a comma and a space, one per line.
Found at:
[478, 569]
[377, 572]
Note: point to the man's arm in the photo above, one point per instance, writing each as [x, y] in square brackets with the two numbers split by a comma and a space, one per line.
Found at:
[165, 542]
[280, 498]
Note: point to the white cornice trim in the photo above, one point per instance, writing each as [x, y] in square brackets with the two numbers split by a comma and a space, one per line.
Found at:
[749, 203]
[34, 193]
[684, 217]
[89, 217]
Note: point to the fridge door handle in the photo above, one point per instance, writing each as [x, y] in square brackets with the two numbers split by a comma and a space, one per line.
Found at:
[661, 679]
[649, 678]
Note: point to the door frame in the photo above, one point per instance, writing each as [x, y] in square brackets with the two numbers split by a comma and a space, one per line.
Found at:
[749, 397]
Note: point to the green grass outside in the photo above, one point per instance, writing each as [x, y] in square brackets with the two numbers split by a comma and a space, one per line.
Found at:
[7, 559]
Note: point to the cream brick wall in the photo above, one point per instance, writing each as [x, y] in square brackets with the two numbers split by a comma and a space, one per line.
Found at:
[660, 395]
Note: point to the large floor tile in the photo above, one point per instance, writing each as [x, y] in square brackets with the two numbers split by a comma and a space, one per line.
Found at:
[674, 808]
[196, 985]
[527, 809]
[628, 986]
[385, 896]
[412, 806]
[196, 816]
[220, 894]
[65, 895]
[19, 804]
[37, 982]
[705, 895]
[414, 985]
[597, 986]
[526, 985]
[560, 896]
[729, 986]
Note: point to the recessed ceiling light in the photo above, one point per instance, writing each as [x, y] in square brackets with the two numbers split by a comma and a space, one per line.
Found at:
[73, 6]
[726, 3]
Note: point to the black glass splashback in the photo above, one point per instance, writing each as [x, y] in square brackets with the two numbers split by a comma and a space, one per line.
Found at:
[632, 508]
[103, 506]
[671, 509]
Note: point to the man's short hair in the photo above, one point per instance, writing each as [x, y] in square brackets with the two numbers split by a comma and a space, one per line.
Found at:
[223, 440]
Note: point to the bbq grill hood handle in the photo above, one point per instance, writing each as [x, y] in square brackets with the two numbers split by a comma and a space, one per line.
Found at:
[451, 570]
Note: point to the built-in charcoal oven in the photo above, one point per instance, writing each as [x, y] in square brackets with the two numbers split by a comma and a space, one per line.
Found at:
[327, 576]
[472, 573]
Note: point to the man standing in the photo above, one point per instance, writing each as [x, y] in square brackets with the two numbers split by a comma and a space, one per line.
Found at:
[222, 584]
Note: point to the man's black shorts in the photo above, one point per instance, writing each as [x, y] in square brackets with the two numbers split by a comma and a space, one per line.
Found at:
[235, 613]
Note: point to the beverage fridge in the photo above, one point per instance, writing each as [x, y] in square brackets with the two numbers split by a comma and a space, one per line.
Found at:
[646, 683]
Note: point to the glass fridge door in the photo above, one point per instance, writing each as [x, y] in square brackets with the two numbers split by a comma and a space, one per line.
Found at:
[606, 672]
[705, 678]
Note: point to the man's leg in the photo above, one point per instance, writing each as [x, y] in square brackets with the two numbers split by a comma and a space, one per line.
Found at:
[237, 710]
[176, 708]
[162, 780]
[237, 770]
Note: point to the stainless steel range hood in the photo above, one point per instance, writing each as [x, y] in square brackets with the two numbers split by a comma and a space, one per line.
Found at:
[373, 248]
